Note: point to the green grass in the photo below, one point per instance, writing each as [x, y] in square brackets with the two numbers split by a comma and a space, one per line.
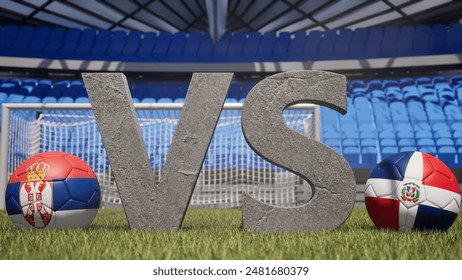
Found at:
[218, 234]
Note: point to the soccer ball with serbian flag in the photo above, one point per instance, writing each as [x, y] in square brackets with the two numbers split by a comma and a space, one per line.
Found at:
[412, 191]
[52, 190]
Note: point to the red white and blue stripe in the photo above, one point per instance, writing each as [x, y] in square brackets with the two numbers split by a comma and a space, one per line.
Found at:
[412, 191]
[69, 195]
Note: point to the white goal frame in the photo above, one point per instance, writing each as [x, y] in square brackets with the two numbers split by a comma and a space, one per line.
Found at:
[8, 107]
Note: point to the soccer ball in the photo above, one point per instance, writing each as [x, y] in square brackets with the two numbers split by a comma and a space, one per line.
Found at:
[52, 190]
[412, 191]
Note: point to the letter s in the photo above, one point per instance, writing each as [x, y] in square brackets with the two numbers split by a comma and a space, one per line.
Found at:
[329, 174]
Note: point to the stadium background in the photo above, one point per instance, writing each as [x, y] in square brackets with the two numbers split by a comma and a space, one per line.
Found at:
[402, 60]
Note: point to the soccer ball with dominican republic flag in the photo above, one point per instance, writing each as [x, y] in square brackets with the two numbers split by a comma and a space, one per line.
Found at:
[52, 190]
[412, 191]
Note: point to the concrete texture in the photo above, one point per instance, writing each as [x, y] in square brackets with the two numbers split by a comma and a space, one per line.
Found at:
[118, 124]
[199, 117]
[146, 205]
[329, 174]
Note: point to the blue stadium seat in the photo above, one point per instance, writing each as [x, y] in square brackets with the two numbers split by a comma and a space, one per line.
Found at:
[358, 42]
[131, 47]
[378, 96]
[388, 142]
[23, 40]
[374, 85]
[420, 44]
[425, 142]
[423, 126]
[40, 39]
[8, 36]
[237, 45]
[281, 46]
[439, 126]
[86, 44]
[251, 46]
[147, 45]
[445, 94]
[407, 149]
[423, 134]
[442, 142]
[404, 126]
[233, 93]
[372, 46]
[389, 41]
[310, 50]
[427, 93]
[205, 49]
[352, 155]
[387, 134]
[368, 134]
[404, 41]
[417, 112]
[393, 93]
[357, 84]
[175, 49]
[342, 44]
[363, 111]
[459, 143]
[220, 49]
[296, 45]
[411, 93]
[448, 155]
[429, 150]
[70, 42]
[435, 113]
[437, 42]
[399, 112]
[181, 94]
[54, 42]
[407, 142]
[423, 81]
[368, 142]
[441, 134]
[453, 114]
[192, 45]
[159, 52]
[456, 127]
[326, 45]
[265, 49]
[454, 38]
[103, 39]
[117, 44]
[333, 142]
[369, 157]
[388, 151]
[350, 142]
[406, 81]
[139, 91]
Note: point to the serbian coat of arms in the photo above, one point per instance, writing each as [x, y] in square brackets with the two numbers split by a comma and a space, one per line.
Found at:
[36, 196]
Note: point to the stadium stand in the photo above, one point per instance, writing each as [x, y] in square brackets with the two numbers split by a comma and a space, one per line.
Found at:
[91, 44]
[384, 116]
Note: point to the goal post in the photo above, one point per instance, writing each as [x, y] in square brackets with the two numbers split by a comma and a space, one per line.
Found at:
[230, 166]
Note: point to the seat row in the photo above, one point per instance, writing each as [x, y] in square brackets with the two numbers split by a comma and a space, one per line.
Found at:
[372, 129]
[361, 43]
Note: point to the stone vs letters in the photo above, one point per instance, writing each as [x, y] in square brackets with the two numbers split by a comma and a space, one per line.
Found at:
[163, 206]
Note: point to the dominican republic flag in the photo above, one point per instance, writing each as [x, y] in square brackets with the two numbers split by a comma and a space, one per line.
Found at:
[412, 191]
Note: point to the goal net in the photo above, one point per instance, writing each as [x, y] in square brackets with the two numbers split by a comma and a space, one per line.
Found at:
[230, 166]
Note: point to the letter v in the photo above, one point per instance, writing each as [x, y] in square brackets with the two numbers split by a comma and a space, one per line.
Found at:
[146, 204]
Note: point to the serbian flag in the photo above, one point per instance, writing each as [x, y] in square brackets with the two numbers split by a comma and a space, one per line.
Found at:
[52, 190]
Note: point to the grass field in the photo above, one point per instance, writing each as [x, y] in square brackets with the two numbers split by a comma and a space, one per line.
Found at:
[218, 234]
